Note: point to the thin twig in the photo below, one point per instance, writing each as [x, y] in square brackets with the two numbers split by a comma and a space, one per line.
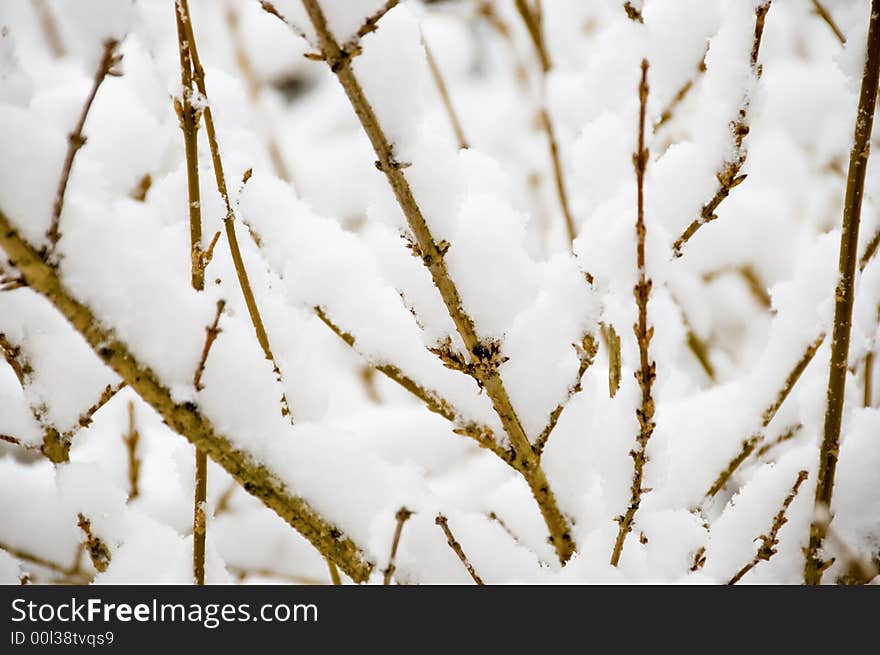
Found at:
[845, 295]
[242, 573]
[110, 391]
[485, 357]
[750, 277]
[612, 344]
[699, 349]
[754, 440]
[669, 110]
[456, 548]
[730, 176]
[98, 551]
[769, 541]
[76, 140]
[184, 418]
[50, 28]
[786, 436]
[440, 83]
[647, 368]
[131, 439]
[433, 401]
[402, 516]
[825, 15]
[857, 569]
[335, 579]
[532, 20]
[586, 351]
[255, 89]
[229, 222]
[647, 372]
[492, 516]
[189, 117]
[868, 380]
[72, 573]
[531, 17]
[211, 334]
[558, 174]
[200, 520]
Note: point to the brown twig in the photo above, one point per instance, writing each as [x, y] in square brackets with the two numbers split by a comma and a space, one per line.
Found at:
[612, 344]
[531, 17]
[752, 442]
[586, 351]
[857, 569]
[433, 401]
[402, 516]
[868, 374]
[50, 28]
[769, 541]
[335, 579]
[184, 418]
[558, 175]
[198, 76]
[110, 391]
[72, 573]
[750, 277]
[787, 435]
[845, 294]
[211, 334]
[242, 573]
[492, 516]
[189, 117]
[76, 140]
[255, 89]
[456, 548]
[142, 188]
[200, 520]
[440, 83]
[669, 110]
[98, 551]
[643, 332]
[825, 15]
[484, 360]
[131, 439]
[699, 349]
[730, 176]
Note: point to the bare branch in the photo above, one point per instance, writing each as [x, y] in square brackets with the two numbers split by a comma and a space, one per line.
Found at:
[456, 547]
[198, 76]
[668, 111]
[586, 355]
[211, 334]
[752, 442]
[76, 140]
[402, 517]
[730, 176]
[844, 295]
[433, 401]
[184, 418]
[769, 541]
[825, 15]
[131, 439]
[483, 358]
[444, 96]
[50, 28]
[647, 369]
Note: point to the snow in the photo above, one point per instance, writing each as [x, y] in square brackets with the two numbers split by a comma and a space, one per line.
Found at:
[360, 447]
